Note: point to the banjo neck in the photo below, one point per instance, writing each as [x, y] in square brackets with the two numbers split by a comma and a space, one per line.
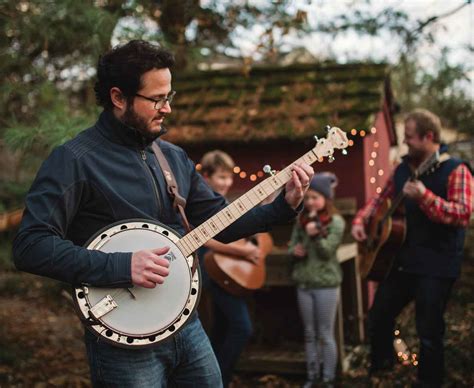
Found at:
[206, 231]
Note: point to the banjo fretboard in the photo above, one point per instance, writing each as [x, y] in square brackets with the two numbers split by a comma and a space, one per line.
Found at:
[221, 220]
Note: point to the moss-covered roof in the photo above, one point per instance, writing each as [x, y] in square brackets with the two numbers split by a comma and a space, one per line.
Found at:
[275, 102]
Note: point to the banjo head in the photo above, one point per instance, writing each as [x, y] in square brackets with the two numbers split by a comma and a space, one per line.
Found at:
[139, 317]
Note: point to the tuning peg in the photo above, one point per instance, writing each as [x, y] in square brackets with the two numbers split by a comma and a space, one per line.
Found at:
[327, 128]
[267, 169]
[344, 152]
[316, 138]
[331, 158]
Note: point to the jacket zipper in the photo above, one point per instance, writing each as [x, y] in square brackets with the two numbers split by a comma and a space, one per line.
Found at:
[155, 187]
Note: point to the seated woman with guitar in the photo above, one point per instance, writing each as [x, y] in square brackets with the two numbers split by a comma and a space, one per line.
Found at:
[317, 273]
[231, 326]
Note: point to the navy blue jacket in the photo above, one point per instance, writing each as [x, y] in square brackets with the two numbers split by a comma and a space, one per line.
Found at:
[104, 175]
[430, 248]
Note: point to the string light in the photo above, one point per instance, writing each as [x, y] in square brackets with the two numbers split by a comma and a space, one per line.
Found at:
[371, 162]
[353, 132]
[374, 154]
[372, 180]
[198, 166]
[373, 130]
[378, 190]
[376, 144]
[380, 172]
[403, 353]
[251, 176]
[351, 143]
[362, 133]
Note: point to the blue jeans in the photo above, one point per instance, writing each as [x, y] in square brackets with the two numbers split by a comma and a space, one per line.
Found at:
[185, 360]
[231, 329]
[430, 295]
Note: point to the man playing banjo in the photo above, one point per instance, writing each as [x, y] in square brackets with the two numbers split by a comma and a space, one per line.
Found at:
[108, 174]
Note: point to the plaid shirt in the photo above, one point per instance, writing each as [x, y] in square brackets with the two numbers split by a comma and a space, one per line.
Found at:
[455, 210]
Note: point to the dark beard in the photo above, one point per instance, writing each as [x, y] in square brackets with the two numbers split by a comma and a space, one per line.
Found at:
[131, 119]
[417, 157]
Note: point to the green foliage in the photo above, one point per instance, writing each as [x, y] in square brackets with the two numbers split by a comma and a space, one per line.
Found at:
[53, 127]
[43, 38]
[6, 263]
[442, 90]
[12, 194]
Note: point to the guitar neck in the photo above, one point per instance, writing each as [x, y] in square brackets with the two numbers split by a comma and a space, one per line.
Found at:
[221, 220]
[395, 204]
[422, 169]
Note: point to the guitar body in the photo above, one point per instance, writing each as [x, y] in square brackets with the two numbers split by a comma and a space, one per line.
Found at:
[235, 275]
[386, 230]
[385, 236]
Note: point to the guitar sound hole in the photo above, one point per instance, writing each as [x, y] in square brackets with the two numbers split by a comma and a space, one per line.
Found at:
[109, 333]
[165, 232]
[130, 340]
[123, 227]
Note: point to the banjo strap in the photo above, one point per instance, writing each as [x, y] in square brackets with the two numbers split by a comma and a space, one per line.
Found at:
[172, 186]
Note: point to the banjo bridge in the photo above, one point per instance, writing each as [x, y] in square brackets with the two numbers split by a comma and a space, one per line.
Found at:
[170, 256]
[104, 306]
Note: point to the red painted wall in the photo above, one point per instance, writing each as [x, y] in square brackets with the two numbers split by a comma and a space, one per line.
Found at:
[376, 149]
[351, 169]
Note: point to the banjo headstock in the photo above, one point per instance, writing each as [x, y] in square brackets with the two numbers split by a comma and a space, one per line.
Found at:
[336, 139]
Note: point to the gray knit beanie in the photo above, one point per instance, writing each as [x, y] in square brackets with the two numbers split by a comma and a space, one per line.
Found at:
[324, 183]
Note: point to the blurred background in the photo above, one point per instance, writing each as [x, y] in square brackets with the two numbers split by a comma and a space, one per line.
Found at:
[257, 79]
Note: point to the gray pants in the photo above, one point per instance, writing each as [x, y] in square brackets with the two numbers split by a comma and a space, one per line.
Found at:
[318, 311]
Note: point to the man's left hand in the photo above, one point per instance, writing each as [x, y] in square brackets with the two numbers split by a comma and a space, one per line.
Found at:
[414, 190]
[301, 176]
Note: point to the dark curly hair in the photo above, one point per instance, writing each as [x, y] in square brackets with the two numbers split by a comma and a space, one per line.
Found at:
[123, 67]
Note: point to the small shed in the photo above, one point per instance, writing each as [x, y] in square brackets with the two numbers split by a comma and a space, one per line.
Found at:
[270, 115]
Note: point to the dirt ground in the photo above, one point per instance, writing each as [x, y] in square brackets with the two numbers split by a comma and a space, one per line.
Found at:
[41, 341]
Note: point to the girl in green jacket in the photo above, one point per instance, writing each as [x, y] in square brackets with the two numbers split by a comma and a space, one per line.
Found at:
[316, 236]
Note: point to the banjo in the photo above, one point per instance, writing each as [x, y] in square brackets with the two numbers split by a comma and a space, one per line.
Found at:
[138, 317]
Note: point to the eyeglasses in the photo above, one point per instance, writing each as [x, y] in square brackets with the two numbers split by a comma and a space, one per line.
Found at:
[159, 102]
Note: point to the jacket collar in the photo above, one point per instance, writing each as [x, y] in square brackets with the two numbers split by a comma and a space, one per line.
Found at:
[443, 148]
[118, 132]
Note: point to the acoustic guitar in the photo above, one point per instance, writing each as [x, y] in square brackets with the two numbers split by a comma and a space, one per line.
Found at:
[237, 275]
[386, 229]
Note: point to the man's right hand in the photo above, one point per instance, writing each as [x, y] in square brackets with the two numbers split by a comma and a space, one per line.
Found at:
[358, 232]
[148, 268]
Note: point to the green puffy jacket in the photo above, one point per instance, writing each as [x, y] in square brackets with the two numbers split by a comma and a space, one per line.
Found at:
[320, 268]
